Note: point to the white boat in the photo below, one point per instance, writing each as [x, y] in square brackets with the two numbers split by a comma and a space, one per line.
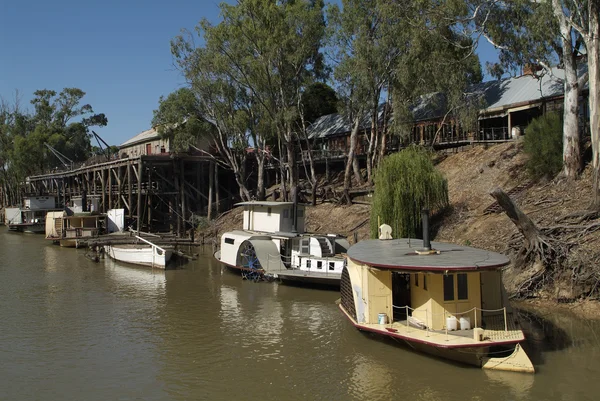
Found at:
[273, 244]
[146, 254]
[30, 218]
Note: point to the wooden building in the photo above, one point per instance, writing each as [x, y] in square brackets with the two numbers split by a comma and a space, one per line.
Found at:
[505, 108]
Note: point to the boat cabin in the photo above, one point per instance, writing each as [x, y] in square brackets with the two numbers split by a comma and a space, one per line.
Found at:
[272, 217]
[68, 230]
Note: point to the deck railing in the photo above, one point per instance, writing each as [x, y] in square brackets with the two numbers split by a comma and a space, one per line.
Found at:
[288, 260]
[447, 314]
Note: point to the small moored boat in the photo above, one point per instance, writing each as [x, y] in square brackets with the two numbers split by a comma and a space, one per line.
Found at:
[442, 299]
[146, 253]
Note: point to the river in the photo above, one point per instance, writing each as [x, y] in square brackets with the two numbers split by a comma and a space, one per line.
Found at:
[73, 329]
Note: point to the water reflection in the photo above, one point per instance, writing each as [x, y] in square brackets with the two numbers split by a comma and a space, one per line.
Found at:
[74, 329]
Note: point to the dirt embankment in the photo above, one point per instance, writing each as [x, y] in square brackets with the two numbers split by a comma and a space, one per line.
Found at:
[472, 174]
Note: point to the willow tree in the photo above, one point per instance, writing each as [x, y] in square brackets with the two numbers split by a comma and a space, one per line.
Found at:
[405, 183]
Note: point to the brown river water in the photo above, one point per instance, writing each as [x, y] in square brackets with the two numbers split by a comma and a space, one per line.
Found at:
[73, 329]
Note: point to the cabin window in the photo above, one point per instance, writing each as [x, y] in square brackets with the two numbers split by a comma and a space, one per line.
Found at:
[425, 282]
[308, 263]
[449, 287]
[331, 266]
[229, 241]
[319, 264]
[300, 213]
[416, 279]
[286, 214]
[305, 246]
[462, 287]
[268, 211]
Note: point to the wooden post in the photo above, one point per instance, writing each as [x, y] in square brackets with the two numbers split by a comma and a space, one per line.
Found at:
[129, 166]
[149, 196]
[177, 195]
[183, 205]
[103, 186]
[211, 173]
[120, 186]
[139, 195]
[108, 170]
[217, 198]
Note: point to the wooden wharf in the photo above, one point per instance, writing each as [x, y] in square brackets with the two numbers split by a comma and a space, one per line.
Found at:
[157, 192]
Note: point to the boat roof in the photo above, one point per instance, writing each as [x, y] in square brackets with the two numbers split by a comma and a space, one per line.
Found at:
[264, 203]
[400, 254]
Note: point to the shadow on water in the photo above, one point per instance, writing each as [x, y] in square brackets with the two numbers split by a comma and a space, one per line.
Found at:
[543, 334]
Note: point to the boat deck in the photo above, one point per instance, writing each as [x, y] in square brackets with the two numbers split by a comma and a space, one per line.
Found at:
[494, 333]
[308, 276]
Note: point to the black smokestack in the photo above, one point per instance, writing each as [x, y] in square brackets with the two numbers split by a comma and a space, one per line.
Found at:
[425, 220]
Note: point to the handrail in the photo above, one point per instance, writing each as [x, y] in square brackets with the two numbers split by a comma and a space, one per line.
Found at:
[446, 313]
[149, 243]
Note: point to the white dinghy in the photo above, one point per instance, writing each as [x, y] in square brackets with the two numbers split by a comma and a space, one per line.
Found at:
[146, 254]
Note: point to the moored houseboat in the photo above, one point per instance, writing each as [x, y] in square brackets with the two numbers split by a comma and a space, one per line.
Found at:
[442, 299]
[31, 217]
[273, 244]
[71, 231]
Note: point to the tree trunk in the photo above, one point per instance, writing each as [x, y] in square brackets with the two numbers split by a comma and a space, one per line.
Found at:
[292, 167]
[521, 220]
[260, 180]
[372, 146]
[593, 51]
[350, 161]
[537, 246]
[571, 136]
[211, 174]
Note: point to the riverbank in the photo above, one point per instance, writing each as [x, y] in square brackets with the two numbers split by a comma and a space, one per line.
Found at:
[472, 174]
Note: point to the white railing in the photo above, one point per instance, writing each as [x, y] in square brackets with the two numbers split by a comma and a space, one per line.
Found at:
[446, 314]
[288, 259]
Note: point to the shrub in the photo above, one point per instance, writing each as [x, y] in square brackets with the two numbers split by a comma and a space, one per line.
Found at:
[405, 183]
[543, 144]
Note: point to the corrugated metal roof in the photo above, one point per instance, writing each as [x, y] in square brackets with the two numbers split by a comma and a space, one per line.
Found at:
[498, 95]
[337, 123]
[519, 90]
[147, 135]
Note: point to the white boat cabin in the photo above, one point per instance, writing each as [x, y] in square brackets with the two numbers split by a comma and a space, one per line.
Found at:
[40, 202]
[270, 241]
[272, 217]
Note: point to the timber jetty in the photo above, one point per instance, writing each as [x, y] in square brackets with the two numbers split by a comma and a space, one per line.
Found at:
[162, 192]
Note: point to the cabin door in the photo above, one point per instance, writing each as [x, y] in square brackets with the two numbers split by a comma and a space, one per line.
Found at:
[148, 148]
[400, 294]
[491, 291]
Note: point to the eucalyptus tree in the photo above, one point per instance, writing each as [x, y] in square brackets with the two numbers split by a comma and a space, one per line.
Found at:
[545, 32]
[402, 50]
[270, 50]
[208, 111]
[365, 45]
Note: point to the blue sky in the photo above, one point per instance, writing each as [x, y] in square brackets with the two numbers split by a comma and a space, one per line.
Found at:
[118, 52]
